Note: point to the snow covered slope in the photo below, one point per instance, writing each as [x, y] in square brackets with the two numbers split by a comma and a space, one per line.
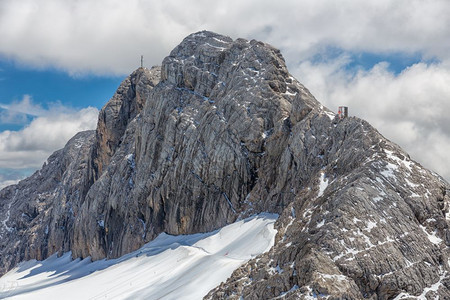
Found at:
[169, 267]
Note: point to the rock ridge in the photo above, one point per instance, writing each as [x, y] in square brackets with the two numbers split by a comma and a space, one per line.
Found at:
[222, 131]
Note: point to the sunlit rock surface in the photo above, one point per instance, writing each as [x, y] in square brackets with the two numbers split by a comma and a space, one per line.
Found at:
[222, 131]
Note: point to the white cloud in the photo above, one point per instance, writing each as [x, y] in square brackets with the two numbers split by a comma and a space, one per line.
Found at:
[31, 146]
[410, 108]
[17, 112]
[109, 36]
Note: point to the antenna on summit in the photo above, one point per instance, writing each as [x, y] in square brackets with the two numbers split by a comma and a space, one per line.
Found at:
[142, 61]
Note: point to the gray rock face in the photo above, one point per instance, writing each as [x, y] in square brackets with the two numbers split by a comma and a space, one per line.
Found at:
[37, 215]
[370, 224]
[226, 133]
[114, 117]
[192, 156]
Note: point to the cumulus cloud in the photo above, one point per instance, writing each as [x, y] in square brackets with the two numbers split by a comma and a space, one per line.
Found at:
[17, 112]
[109, 36]
[410, 108]
[46, 129]
[30, 147]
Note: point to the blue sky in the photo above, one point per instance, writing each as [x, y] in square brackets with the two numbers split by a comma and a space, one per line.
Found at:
[53, 85]
[60, 61]
[50, 86]
[46, 91]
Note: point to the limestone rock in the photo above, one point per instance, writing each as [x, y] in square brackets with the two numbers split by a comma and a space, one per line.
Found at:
[114, 117]
[37, 214]
[225, 133]
[369, 224]
[192, 155]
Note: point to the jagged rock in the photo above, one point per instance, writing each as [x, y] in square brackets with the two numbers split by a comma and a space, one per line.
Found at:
[227, 133]
[37, 215]
[114, 117]
[371, 224]
[197, 146]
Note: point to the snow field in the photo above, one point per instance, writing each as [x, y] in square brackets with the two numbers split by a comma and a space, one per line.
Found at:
[169, 267]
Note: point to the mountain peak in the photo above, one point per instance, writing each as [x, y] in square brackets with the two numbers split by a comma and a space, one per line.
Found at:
[222, 131]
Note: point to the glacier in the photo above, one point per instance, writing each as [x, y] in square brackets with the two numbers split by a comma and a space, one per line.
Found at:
[169, 267]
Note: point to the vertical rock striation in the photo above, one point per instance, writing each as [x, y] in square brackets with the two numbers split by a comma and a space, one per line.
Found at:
[222, 131]
[115, 116]
[37, 214]
[188, 162]
[370, 224]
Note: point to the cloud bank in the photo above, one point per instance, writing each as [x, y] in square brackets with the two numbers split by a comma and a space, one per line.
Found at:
[410, 108]
[28, 148]
[108, 36]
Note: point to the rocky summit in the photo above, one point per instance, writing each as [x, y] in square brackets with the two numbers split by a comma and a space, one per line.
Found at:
[222, 131]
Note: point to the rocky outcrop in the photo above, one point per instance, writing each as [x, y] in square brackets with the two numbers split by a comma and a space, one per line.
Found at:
[114, 117]
[193, 154]
[37, 215]
[370, 224]
[226, 133]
